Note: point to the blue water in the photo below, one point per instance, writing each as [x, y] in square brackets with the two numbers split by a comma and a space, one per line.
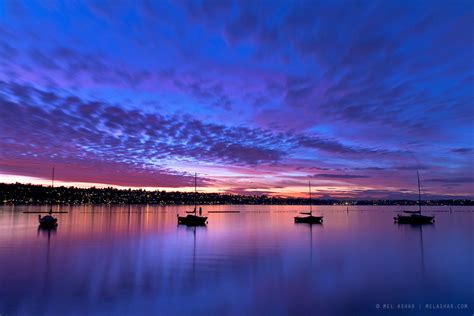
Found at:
[137, 261]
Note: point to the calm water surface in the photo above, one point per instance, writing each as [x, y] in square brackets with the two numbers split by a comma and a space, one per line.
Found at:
[136, 261]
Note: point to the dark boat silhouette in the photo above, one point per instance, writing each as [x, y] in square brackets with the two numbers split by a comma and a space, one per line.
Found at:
[48, 221]
[192, 219]
[414, 217]
[310, 219]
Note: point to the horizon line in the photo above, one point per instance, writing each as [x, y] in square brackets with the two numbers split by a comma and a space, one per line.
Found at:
[270, 196]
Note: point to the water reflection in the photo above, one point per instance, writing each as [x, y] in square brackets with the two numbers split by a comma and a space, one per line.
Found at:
[136, 260]
[310, 227]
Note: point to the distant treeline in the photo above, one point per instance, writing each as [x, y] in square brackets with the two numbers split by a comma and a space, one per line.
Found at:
[22, 194]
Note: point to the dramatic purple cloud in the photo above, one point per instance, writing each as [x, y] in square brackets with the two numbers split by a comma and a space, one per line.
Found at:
[256, 96]
[340, 176]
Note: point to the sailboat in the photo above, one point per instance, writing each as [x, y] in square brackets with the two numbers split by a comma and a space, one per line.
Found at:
[48, 221]
[415, 217]
[310, 219]
[192, 219]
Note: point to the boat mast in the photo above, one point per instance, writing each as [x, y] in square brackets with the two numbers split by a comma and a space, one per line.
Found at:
[310, 204]
[419, 191]
[195, 192]
[51, 195]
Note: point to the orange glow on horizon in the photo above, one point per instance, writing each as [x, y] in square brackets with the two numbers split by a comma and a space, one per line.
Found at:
[326, 189]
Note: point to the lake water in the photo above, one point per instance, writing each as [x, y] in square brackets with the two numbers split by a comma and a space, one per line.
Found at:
[136, 260]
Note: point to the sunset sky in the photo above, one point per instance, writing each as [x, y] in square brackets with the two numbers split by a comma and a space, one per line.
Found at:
[257, 97]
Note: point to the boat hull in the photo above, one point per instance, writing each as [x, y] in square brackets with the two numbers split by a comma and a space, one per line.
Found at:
[414, 219]
[309, 219]
[192, 220]
[47, 221]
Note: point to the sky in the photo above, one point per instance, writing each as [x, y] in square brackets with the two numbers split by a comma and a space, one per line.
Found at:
[256, 97]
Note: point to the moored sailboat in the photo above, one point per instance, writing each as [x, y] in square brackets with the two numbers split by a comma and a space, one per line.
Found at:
[48, 221]
[310, 219]
[414, 217]
[193, 219]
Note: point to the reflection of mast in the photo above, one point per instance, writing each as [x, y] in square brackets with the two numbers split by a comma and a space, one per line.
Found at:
[129, 217]
[194, 251]
[422, 251]
[311, 245]
[194, 230]
[49, 231]
[422, 255]
[49, 243]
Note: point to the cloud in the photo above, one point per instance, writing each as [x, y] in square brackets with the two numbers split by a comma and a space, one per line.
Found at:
[49, 126]
[462, 150]
[90, 170]
[282, 86]
[340, 176]
[455, 180]
[53, 126]
[248, 191]
[204, 90]
[373, 194]
[411, 167]
[334, 146]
